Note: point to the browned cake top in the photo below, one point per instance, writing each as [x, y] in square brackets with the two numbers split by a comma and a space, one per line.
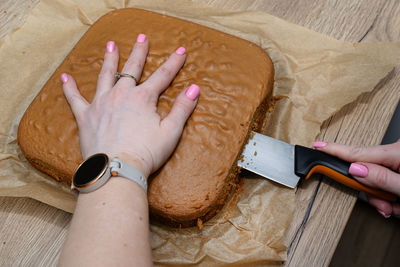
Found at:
[234, 75]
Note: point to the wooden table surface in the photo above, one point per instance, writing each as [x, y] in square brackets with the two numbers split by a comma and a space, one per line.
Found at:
[31, 233]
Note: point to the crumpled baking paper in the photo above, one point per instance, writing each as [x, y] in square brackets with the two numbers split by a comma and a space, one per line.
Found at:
[315, 76]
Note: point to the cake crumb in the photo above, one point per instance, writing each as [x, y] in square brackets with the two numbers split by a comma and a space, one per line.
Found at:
[254, 143]
[235, 199]
[199, 224]
[255, 153]
[252, 134]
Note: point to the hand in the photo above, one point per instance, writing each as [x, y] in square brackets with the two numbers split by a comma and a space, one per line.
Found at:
[122, 120]
[376, 166]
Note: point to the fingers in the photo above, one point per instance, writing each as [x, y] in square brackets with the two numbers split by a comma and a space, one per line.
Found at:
[77, 102]
[376, 176]
[134, 64]
[396, 209]
[382, 206]
[368, 169]
[387, 155]
[106, 79]
[164, 75]
[183, 106]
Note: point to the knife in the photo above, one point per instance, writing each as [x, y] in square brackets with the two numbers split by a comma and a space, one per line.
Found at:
[286, 164]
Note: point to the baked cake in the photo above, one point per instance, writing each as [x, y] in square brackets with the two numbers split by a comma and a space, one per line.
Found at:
[235, 77]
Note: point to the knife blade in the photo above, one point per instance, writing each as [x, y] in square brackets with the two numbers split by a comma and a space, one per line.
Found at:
[287, 164]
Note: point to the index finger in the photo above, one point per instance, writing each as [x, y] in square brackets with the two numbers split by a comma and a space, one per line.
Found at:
[387, 155]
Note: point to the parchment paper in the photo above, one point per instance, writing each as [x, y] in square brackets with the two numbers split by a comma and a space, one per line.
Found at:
[315, 74]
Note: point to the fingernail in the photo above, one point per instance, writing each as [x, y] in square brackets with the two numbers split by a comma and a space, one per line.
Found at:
[358, 170]
[110, 46]
[319, 144]
[141, 38]
[180, 51]
[383, 214]
[193, 91]
[64, 77]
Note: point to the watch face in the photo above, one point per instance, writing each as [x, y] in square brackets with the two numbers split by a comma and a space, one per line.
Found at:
[90, 170]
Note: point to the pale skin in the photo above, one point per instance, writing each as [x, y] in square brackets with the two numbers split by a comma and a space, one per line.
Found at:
[110, 226]
[377, 167]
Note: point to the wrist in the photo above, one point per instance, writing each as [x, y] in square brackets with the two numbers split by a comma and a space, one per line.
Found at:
[134, 161]
[131, 159]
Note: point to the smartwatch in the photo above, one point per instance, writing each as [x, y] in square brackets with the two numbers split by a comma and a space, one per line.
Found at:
[96, 170]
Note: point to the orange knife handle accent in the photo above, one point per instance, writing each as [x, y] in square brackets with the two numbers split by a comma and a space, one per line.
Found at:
[351, 182]
[309, 161]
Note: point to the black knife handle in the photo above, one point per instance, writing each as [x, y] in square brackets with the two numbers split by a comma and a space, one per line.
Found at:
[308, 161]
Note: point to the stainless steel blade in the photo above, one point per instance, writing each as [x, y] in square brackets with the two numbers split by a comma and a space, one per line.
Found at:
[270, 158]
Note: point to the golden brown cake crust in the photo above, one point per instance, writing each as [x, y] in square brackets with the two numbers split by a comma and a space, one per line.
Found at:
[235, 77]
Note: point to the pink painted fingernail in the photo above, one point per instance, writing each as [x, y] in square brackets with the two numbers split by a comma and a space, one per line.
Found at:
[383, 214]
[319, 144]
[141, 38]
[64, 77]
[193, 91]
[358, 170]
[110, 46]
[180, 51]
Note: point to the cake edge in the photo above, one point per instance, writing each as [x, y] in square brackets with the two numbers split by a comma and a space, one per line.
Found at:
[258, 121]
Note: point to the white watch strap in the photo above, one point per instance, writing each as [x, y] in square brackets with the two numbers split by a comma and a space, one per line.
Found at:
[119, 168]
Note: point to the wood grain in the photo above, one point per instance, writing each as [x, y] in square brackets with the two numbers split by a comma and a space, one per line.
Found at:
[31, 233]
[363, 122]
[13, 14]
[346, 127]
[323, 207]
[360, 247]
[344, 20]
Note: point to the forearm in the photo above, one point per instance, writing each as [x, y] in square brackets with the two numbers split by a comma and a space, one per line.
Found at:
[110, 227]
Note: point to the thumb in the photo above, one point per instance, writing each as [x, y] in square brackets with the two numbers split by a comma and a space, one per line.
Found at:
[183, 106]
[76, 101]
[387, 155]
